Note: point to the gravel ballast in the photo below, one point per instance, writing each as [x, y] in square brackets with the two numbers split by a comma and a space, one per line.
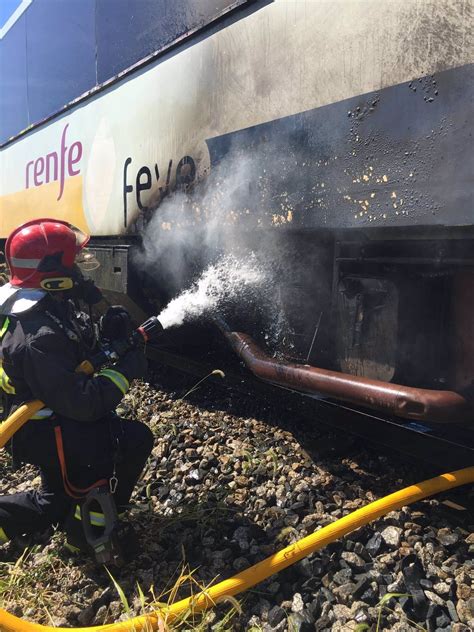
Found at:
[231, 481]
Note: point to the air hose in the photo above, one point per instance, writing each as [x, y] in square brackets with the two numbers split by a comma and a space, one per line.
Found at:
[267, 567]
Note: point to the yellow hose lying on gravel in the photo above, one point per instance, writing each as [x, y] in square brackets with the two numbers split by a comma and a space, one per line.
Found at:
[273, 564]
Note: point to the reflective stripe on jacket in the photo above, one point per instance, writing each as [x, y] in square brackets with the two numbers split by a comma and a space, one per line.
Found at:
[40, 360]
[117, 378]
[5, 383]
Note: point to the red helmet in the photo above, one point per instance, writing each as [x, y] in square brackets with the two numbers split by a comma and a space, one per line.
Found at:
[43, 249]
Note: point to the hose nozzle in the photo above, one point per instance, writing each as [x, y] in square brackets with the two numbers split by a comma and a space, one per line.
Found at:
[150, 328]
[114, 350]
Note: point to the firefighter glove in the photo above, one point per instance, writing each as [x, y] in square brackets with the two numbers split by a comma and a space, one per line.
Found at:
[116, 323]
[133, 364]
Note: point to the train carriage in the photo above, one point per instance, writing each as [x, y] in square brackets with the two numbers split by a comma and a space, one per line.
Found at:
[338, 133]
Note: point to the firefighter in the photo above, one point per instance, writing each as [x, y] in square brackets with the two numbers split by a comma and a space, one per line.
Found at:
[76, 440]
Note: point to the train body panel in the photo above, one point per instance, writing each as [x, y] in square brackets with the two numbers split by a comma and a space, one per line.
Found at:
[339, 100]
[341, 129]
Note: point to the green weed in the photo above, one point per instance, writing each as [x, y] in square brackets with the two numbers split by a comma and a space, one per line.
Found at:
[218, 372]
[383, 608]
[190, 619]
[26, 582]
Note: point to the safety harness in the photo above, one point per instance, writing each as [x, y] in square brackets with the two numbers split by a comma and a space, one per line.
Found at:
[70, 489]
[99, 495]
[104, 542]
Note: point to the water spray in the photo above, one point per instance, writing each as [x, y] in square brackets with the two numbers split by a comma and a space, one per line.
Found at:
[223, 281]
[219, 282]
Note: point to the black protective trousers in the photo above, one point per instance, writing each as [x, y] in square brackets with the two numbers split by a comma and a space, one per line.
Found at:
[92, 450]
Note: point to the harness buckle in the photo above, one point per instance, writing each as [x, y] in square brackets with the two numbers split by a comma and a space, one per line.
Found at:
[105, 544]
[113, 482]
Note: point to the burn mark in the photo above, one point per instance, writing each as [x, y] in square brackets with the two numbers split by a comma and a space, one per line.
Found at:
[378, 159]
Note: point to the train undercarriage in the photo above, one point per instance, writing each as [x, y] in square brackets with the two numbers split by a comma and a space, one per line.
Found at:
[378, 330]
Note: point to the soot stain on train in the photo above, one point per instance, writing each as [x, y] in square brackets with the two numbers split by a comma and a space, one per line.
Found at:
[208, 229]
[301, 193]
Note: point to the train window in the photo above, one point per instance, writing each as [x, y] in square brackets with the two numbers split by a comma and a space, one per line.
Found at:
[60, 54]
[13, 89]
[56, 51]
[129, 31]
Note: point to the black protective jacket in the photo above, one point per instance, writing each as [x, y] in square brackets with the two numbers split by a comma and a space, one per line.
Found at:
[41, 349]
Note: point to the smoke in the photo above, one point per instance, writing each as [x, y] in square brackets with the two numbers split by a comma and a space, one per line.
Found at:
[192, 229]
[205, 242]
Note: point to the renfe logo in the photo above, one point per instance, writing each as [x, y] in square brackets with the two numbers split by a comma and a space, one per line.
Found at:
[55, 166]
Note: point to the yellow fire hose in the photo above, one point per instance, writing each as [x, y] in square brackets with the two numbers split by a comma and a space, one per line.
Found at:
[26, 411]
[273, 564]
[18, 419]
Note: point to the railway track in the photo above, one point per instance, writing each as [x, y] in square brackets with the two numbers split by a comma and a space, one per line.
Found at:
[236, 474]
[435, 444]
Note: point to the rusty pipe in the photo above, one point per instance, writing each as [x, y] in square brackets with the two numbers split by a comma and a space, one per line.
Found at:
[402, 401]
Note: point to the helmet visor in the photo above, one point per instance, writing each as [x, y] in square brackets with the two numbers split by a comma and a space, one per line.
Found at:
[86, 260]
[81, 237]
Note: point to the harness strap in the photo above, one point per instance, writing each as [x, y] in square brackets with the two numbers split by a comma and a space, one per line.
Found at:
[70, 333]
[70, 489]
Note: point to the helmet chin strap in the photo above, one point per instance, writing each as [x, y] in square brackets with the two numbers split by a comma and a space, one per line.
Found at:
[87, 291]
[73, 285]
